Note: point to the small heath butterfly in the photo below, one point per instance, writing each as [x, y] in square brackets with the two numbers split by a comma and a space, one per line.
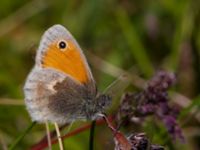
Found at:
[60, 88]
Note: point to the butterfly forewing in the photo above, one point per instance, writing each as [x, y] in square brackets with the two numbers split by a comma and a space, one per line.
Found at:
[69, 60]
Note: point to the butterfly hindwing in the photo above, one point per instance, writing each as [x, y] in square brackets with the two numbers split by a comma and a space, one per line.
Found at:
[55, 97]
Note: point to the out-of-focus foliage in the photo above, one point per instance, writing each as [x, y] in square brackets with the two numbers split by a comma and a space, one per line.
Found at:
[137, 35]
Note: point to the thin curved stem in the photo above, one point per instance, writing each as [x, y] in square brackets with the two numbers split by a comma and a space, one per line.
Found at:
[59, 137]
[48, 136]
[21, 136]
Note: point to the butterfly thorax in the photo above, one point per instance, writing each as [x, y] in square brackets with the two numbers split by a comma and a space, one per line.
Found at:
[92, 108]
[77, 101]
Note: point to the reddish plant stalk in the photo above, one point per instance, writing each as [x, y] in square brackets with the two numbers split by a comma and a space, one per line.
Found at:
[44, 144]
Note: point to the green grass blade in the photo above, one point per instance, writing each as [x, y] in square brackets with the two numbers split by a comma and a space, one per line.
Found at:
[16, 142]
[136, 47]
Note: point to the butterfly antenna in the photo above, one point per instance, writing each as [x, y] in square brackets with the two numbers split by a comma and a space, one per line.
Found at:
[109, 87]
[59, 136]
[48, 135]
[117, 86]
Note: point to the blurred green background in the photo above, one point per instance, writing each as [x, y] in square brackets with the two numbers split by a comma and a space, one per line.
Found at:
[138, 34]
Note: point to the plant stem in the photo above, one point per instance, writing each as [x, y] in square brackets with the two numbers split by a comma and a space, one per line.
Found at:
[21, 136]
[92, 129]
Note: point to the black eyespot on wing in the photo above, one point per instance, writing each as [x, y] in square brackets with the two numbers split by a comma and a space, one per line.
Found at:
[62, 44]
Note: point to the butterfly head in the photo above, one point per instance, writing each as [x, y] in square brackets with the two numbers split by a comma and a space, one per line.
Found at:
[97, 106]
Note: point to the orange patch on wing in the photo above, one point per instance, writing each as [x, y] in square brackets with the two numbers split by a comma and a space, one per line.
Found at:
[68, 61]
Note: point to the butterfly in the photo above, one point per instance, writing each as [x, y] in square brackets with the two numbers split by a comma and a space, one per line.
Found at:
[61, 88]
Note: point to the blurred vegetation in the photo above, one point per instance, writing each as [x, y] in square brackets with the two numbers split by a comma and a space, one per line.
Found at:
[143, 36]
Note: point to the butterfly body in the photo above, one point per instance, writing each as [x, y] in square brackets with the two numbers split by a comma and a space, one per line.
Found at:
[60, 88]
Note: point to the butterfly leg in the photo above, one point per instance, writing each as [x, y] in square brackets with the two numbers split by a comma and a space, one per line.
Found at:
[48, 135]
[59, 136]
[69, 127]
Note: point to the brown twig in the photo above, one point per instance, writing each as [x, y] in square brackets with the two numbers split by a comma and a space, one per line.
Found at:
[9, 101]
[44, 144]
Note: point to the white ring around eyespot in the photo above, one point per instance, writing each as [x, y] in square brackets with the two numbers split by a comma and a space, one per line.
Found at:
[62, 49]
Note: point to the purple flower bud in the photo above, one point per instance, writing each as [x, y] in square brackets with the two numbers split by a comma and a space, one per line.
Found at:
[153, 100]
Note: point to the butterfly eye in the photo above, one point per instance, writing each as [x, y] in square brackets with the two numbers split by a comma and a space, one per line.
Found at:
[62, 45]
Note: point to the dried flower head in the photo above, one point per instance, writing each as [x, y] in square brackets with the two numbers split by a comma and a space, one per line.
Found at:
[153, 100]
